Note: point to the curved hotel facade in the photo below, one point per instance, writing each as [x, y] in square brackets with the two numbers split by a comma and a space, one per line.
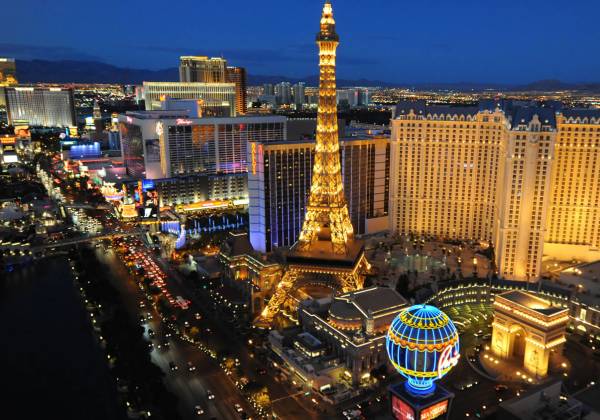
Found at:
[522, 178]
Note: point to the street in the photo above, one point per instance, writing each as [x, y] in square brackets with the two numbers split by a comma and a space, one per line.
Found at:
[190, 387]
[288, 401]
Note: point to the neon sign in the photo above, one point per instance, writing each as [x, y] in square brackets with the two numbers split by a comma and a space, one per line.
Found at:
[434, 411]
[182, 121]
[253, 152]
[401, 410]
[448, 359]
[422, 344]
[159, 128]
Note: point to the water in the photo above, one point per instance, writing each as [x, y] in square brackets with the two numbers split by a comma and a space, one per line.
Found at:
[420, 263]
[52, 366]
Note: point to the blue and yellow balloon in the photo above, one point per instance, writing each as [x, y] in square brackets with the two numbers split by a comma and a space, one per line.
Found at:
[422, 344]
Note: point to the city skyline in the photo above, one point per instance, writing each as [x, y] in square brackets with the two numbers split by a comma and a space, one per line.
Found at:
[221, 247]
[415, 43]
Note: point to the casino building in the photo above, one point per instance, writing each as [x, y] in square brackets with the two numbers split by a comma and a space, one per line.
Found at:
[279, 179]
[40, 106]
[217, 99]
[354, 326]
[193, 159]
[520, 176]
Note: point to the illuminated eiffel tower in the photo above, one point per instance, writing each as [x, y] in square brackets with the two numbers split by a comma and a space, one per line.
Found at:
[326, 252]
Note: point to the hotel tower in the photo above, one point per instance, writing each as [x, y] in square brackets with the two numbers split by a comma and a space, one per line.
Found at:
[523, 177]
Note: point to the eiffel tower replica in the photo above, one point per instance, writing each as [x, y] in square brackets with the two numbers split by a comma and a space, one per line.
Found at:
[326, 252]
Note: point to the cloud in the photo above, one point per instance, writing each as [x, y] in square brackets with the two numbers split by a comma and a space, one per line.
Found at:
[32, 52]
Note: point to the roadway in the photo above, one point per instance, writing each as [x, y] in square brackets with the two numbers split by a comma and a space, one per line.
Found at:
[190, 387]
[289, 401]
[81, 240]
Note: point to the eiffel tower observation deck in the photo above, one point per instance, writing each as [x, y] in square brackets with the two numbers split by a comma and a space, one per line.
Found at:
[326, 252]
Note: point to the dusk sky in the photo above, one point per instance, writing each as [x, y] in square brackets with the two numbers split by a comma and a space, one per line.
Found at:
[395, 41]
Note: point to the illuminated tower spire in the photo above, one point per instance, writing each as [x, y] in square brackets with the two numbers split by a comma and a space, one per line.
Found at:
[326, 252]
[327, 216]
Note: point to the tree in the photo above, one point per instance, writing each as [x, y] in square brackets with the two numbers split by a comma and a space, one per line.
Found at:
[402, 284]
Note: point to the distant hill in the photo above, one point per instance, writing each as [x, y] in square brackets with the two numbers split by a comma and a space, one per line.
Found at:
[73, 71]
[554, 85]
[70, 71]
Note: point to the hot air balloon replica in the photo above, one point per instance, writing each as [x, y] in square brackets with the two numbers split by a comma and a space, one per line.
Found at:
[422, 344]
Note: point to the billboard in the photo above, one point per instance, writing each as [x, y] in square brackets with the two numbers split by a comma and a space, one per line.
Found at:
[128, 211]
[401, 410]
[148, 184]
[434, 411]
[153, 150]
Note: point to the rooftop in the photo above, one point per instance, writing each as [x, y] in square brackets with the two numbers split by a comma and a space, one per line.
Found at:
[321, 254]
[309, 341]
[590, 397]
[541, 402]
[518, 112]
[363, 303]
[532, 302]
[585, 280]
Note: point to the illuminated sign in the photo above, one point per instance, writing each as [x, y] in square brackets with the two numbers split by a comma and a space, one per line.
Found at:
[423, 345]
[129, 120]
[148, 184]
[448, 359]
[434, 411]
[140, 194]
[401, 410]
[8, 140]
[253, 151]
[182, 121]
[9, 158]
[159, 129]
[206, 205]
[128, 211]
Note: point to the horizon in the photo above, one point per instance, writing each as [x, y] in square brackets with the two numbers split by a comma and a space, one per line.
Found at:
[429, 43]
[281, 77]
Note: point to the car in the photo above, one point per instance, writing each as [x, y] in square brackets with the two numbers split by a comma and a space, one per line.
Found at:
[261, 371]
[210, 395]
[501, 388]
[465, 384]
[172, 366]
[487, 337]
[166, 343]
[191, 366]
[238, 408]
[142, 319]
[151, 333]
[198, 410]
[351, 414]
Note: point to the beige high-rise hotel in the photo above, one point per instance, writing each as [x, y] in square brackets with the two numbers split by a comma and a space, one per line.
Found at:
[523, 177]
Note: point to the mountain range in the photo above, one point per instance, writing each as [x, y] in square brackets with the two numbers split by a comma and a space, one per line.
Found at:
[75, 71]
